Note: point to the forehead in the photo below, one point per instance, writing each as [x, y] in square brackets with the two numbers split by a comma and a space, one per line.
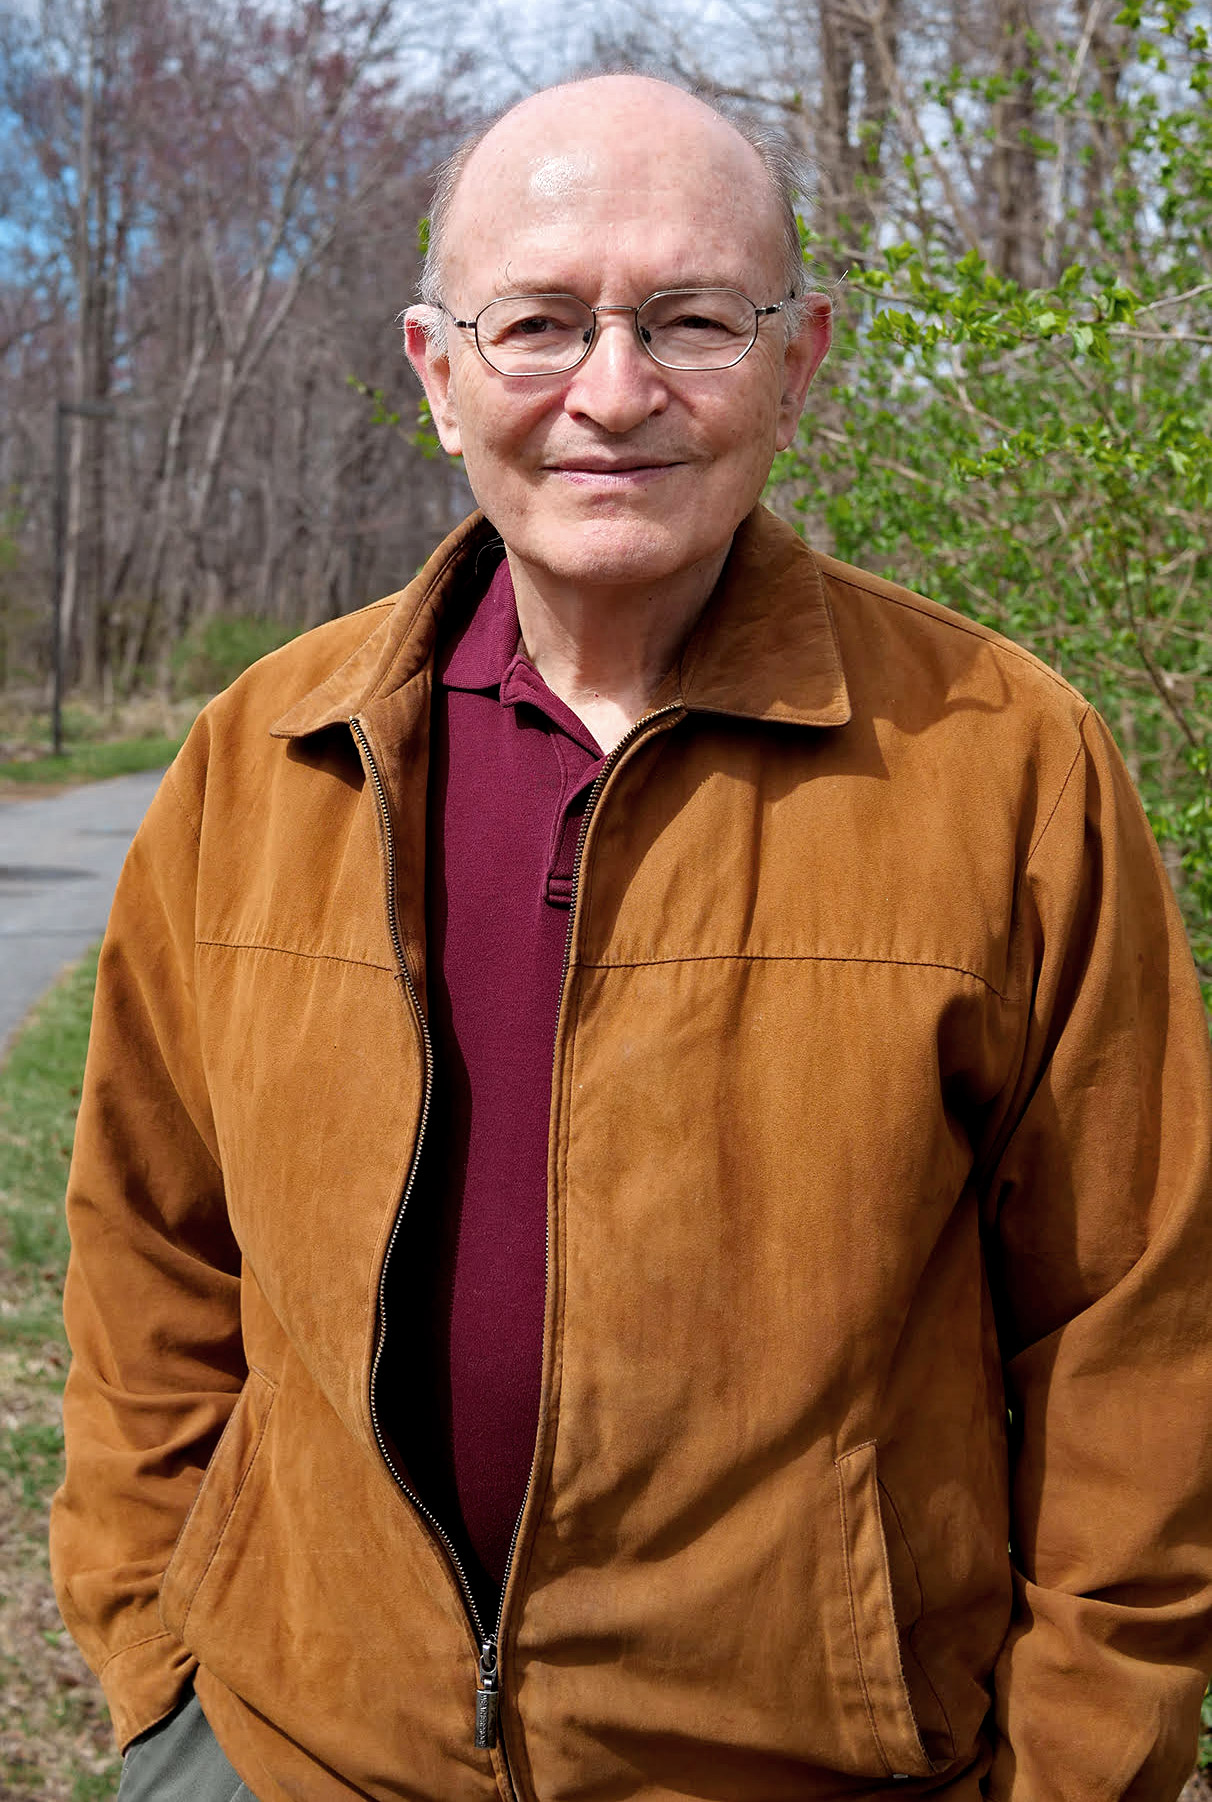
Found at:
[579, 188]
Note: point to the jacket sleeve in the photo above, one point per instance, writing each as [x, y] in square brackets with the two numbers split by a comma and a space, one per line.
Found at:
[1100, 1256]
[152, 1300]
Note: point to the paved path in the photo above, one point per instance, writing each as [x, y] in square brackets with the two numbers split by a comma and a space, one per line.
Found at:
[59, 862]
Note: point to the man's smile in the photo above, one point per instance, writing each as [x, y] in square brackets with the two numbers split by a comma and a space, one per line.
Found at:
[599, 470]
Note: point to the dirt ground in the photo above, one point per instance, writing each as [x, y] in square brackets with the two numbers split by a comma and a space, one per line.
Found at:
[55, 1739]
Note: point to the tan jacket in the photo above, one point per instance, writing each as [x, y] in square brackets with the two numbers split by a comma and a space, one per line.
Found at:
[881, 1103]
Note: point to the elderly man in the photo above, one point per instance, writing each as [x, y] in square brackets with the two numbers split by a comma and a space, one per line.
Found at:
[652, 1090]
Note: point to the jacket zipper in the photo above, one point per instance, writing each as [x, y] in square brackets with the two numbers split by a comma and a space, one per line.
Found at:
[488, 1688]
[639, 730]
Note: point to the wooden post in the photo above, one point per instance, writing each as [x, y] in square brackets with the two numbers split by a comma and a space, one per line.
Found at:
[83, 409]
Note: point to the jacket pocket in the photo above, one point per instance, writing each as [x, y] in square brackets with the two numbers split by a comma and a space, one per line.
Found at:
[873, 1625]
[216, 1501]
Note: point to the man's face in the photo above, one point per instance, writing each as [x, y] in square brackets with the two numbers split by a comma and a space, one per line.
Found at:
[618, 471]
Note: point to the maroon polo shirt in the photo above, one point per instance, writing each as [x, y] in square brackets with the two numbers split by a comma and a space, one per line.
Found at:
[510, 770]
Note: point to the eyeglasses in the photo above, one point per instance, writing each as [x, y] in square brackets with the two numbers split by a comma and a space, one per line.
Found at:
[680, 328]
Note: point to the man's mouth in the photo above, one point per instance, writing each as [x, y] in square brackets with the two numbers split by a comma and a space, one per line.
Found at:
[612, 469]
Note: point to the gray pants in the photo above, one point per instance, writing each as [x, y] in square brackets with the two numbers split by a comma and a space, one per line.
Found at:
[180, 1761]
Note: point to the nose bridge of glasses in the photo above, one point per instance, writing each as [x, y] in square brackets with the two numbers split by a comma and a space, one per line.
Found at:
[591, 335]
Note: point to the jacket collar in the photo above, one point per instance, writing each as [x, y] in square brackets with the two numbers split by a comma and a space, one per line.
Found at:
[765, 648]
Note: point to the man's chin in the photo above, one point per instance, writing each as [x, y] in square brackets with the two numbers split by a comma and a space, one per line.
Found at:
[616, 553]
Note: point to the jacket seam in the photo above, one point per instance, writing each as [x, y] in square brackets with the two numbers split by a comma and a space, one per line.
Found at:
[887, 1574]
[170, 786]
[1017, 912]
[235, 1500]
[1062, 790]
[885, 1495]
[149, 1639]
[791, 957]
[985, 1165]
[328, 957]
[854, 1626]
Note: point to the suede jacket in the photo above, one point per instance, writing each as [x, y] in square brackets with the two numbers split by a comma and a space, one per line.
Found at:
[878, 1241]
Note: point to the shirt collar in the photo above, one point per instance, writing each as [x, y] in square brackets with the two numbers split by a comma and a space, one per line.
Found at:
[487, 656]
[482, 652]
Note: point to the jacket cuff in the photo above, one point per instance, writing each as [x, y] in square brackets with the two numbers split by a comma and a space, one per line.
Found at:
[144, 1682]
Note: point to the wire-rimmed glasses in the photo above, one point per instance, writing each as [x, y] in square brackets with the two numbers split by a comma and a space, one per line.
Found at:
[680, 328]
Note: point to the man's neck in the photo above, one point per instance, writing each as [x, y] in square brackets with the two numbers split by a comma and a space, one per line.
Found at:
[605, 649]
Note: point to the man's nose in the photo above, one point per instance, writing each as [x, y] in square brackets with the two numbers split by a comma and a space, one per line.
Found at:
[618, 385]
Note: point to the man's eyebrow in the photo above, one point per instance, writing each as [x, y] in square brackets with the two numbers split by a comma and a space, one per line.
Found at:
[508, 282]
[532, 287]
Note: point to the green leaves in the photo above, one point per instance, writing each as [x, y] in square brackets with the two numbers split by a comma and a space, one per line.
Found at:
[1041, 457]
[934, 302]
[421, 434]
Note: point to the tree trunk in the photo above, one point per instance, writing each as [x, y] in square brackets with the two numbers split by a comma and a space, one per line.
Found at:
[1016, 172]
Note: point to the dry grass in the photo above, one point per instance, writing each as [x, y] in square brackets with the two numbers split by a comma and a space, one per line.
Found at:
[97, 742]
[55, 1739]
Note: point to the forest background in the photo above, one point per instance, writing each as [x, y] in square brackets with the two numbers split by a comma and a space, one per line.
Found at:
[210, 213]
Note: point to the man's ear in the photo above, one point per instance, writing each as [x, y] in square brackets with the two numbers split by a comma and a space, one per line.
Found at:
[432, 364]
[801, 360]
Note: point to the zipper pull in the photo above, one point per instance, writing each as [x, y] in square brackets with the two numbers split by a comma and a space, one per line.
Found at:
[488, 1696]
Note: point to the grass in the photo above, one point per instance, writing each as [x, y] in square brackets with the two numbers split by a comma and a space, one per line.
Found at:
[92, 762]
[143, 733]
[39, 1093]
[55, 1740]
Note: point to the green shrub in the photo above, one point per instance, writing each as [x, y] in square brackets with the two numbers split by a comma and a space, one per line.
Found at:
[1041, 458]
[217, 650]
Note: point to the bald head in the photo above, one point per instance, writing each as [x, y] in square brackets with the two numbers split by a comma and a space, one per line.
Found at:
[616, 468]
[631, 132]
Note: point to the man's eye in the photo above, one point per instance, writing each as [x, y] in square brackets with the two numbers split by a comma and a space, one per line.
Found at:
[697, 322]
[533, 326]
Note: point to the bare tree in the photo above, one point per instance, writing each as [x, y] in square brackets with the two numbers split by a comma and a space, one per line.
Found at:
[188, 192]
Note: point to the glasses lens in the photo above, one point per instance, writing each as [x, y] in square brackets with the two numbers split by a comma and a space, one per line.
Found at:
[698, 328]
[534, 334]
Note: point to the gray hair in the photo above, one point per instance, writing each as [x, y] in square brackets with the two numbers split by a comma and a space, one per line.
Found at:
[788, 171]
